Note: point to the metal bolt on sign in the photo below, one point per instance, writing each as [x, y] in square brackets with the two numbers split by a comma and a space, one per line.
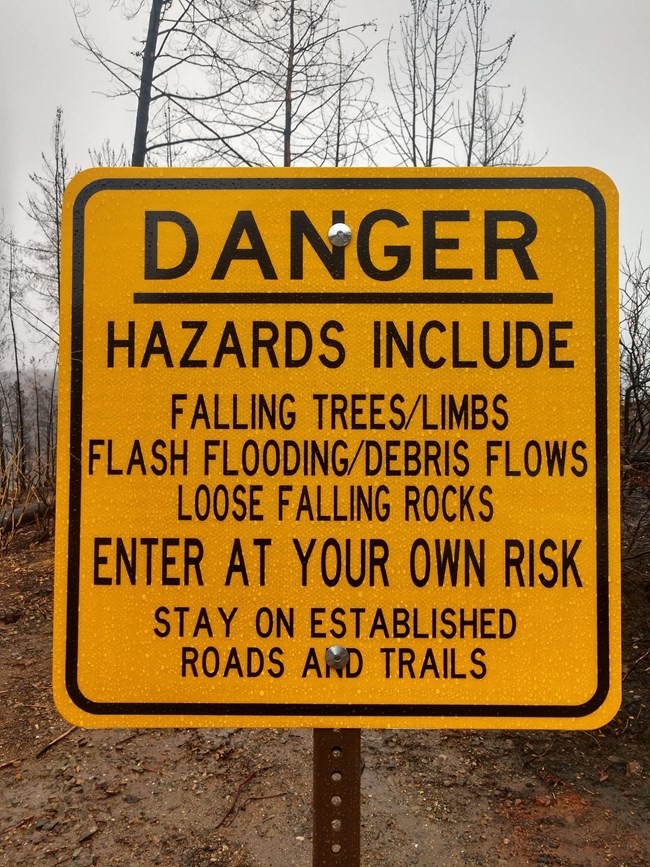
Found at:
[337, 657]
[340, 235]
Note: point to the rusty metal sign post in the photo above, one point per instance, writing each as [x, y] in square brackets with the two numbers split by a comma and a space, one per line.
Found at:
[337, 798]
[337, 787]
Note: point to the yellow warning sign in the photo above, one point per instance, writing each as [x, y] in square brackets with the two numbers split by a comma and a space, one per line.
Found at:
[338, 448]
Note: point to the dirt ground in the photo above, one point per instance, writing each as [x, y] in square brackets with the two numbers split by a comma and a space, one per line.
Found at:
[242, 798]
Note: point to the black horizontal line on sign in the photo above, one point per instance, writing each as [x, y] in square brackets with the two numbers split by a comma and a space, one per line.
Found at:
[343, 298]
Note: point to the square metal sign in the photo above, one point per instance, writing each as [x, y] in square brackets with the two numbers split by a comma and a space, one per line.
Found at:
[338, 448]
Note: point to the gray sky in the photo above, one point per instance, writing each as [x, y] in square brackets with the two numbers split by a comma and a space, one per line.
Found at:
[584, 63]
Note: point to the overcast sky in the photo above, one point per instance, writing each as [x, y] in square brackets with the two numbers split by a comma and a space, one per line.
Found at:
[585, 65]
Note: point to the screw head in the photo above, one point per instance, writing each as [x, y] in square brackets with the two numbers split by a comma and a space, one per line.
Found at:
[337, 656]
[340, 235]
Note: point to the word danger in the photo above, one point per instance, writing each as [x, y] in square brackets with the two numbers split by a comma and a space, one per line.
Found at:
[504, 231]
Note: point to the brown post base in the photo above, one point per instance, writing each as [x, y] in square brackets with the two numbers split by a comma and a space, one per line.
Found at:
[337, 798]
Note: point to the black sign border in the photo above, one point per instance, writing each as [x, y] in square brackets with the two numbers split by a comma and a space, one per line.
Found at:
[347, 710]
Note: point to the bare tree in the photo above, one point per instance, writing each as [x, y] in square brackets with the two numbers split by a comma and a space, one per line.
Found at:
[149, 53]
[349, 126]
[40, 406]
[42, 257]
[108, 155]
[3, 447]
[497, 131]
[27, 408]
[11, 290]
[635, 418]
[635, 363]
[423, 74]
[310, 102]
[486, 62]
[7, 490]
[188, 63]
[5, 420]
[490, 127]
[245, 82]
[449, 105]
